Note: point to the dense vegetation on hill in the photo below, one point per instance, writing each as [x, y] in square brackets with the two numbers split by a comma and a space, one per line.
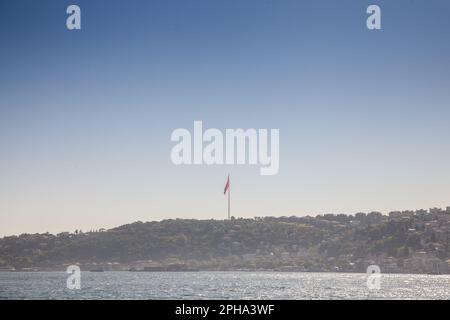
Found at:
[301, 241]
[185, 239]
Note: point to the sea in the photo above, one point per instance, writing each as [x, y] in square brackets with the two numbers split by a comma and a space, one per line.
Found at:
[221, 285]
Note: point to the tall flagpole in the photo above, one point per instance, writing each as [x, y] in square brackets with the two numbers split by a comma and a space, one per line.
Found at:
[229, 191]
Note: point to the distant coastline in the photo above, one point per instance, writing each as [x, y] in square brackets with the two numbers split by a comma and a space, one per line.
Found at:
[412, 242]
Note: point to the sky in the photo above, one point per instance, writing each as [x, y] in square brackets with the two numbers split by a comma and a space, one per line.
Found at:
[86, 116]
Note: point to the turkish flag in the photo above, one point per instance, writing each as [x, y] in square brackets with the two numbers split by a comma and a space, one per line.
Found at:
[227, 185]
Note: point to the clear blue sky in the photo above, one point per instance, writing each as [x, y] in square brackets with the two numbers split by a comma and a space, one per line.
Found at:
[86, 116]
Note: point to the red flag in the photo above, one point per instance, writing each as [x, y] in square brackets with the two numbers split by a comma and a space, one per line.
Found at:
[227, 185]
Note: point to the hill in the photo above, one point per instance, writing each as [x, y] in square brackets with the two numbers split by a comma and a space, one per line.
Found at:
[401, 242]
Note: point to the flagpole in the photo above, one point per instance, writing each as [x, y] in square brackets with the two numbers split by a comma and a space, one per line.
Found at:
[229, 191]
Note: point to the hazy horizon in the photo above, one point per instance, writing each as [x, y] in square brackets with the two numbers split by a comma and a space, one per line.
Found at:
[90, 228]
[86, 116]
